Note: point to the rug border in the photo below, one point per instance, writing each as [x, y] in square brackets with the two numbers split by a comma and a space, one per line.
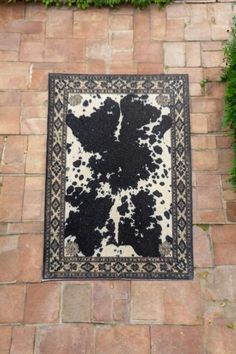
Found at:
[189, 244]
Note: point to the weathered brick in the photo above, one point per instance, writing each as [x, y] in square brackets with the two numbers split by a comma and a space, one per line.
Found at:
[175, 30]
[178, 11]
[224, 285]
[98, 50]
[231, 211]
[8, 14]
[96, 66]
[122, 39]
[9, 258]
[14, 76]
[91, 15]
[177, 339]
[150, 68]
[158, 24]
[59, 23]
[212, 46]
[209, 198]
[193, 54]
[22, 340]
[35, 162]
[141, 25]
[42, 303]
[8, 56]
[9, 98]
[12, 298]
[90, 29]
[53, 50]
[215, 89]
[121, 22]
[212, 59]
[225, 160]
[14, 154]
[205, 160]
[215, 216]
[33, 198]
[224, 233]
[24, 26]
[33, 12]
[195, 74]
[213, 74]
[174, 54]
[77, 303]
[208, 180]
[195, 89]
[223, 142]
[225, 253]
[40, 71]
[198, 31]
[147, 301]
[35, 227]
[148, 52]
[175, 300]
[122, 340]
[30, 258]
[122, 68]
[220, 338]
[202, 142]
[198, 26]
[9, 41]
[76, 339]
[10, 120]
[221, 15]
[105, 295]
[30, 98]
[229, 195]
[214, 122]
[5, 338]
[11, 198]
[198, 123]
[122, 55]
[206, 105]
[121, 310]
[201, 248]
[33, 119]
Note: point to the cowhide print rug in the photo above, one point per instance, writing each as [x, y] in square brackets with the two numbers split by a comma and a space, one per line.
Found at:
[118, 187]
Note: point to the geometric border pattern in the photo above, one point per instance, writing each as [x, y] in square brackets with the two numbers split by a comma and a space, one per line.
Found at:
[180, 264]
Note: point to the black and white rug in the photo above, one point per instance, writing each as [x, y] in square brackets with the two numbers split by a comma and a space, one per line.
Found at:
[118, 187]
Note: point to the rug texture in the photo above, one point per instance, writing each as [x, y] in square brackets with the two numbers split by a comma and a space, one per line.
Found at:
[118, 186]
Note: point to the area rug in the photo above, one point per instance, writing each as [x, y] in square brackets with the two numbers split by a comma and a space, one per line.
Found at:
[118, 185]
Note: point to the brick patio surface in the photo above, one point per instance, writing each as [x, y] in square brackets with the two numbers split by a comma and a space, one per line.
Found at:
[114, 317]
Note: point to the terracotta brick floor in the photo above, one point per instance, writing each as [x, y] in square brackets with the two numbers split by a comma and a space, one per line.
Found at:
[114, 317]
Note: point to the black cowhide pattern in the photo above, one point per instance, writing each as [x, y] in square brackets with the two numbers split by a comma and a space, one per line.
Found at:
[124, 141]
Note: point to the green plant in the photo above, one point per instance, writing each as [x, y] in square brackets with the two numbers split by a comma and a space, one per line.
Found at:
[203, 84]
[229, 76]
[84, 4]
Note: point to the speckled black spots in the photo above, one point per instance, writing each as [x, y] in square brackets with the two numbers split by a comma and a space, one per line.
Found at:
[144, 226]
[164, 125]
[68, 148]
[85, 103]
[96, 132]
[77, 163]
[123, 209]
[167, 215]
[169, 239]
[158, 149]
[157, 193]
[83, 224]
